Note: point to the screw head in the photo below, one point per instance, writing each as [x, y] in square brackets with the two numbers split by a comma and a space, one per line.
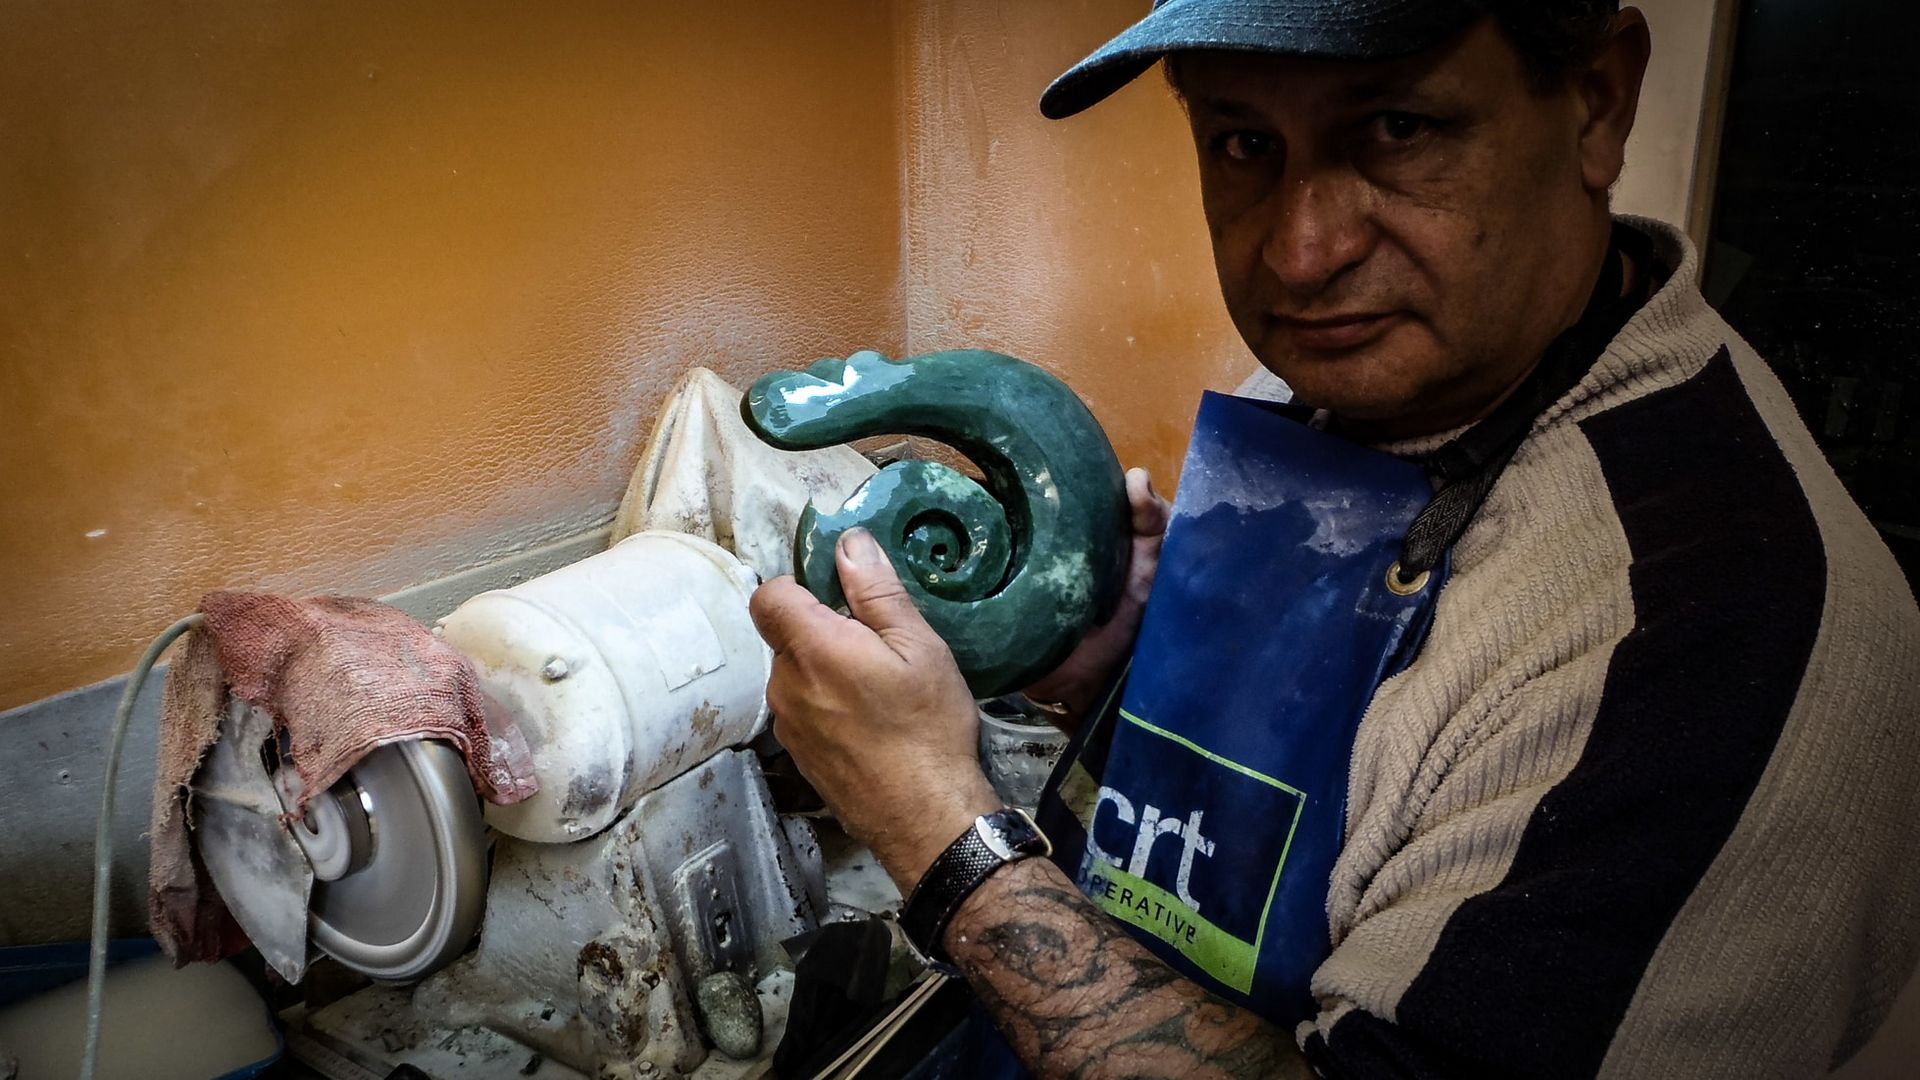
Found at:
[556, 669]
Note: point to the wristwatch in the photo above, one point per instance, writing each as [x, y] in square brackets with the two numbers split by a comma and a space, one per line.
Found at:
[993, 840]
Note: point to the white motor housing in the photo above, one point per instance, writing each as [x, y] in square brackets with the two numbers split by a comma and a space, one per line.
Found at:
[623, 670]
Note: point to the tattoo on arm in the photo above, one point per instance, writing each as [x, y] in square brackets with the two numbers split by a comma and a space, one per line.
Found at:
[1078, 997]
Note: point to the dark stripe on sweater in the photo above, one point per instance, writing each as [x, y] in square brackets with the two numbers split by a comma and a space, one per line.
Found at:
[1728, 578]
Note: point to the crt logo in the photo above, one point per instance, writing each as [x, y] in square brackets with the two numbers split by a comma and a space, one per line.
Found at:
[1189, 847]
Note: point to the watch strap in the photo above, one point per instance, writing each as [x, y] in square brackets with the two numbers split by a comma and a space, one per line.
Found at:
[993, 840]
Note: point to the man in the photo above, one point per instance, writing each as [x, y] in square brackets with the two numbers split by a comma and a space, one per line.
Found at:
[1645, 801]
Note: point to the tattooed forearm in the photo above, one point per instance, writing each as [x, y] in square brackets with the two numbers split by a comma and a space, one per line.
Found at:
[1078, 997]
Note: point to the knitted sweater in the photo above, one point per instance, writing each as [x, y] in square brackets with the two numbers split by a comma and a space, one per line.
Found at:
[1648, 803]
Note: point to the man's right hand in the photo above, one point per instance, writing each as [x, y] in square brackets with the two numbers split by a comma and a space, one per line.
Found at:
[1091, 667]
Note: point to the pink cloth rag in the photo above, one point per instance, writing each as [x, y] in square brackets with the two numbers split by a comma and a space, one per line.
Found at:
[340, 676]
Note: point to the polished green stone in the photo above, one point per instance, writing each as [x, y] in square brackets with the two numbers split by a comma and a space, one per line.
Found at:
[1012, 574]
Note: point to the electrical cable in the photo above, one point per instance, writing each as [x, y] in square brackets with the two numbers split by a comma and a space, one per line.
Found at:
[103, 838]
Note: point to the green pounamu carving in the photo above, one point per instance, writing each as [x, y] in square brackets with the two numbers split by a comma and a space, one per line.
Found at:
[1012, 575]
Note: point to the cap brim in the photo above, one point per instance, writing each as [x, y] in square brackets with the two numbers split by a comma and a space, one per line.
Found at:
[1335, 29]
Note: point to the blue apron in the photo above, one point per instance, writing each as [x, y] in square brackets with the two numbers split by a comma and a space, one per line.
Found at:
[1205, 811]
[1205, 804]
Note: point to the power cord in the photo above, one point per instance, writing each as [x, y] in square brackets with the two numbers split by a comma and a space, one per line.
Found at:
[103, 838]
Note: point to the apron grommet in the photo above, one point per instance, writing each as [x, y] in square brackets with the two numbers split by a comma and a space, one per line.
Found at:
[1406, 588]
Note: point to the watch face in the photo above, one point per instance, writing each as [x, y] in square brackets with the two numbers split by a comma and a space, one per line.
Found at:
[992, 835]
[1010, 831]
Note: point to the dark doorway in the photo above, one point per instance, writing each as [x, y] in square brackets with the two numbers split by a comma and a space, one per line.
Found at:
[1815, 253]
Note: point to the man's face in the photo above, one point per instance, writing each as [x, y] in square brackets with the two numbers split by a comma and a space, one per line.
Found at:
[1398, 241]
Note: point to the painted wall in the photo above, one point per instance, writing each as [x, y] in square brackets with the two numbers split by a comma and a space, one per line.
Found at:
[1077, 243]
[346, 296]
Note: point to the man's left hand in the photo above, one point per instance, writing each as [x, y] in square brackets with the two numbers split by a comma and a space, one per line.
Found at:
[874, 711]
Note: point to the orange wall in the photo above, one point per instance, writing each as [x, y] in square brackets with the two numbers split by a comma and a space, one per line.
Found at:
[343, 297]
[346, 296]
[1078, 244]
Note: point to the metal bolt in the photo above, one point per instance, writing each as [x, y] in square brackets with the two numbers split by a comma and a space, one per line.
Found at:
[556, 669]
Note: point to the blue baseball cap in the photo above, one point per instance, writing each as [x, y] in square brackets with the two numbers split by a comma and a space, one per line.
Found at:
[1335, 29]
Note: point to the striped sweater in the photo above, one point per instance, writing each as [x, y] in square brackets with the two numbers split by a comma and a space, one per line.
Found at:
[1648, 803]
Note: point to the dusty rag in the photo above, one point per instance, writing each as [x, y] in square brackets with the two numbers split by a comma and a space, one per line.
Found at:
[340, 676]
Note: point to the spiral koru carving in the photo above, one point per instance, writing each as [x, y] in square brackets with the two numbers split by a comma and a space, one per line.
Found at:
[1012, 575]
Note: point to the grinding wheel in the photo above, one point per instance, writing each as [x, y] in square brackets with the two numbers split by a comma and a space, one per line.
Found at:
[412, 858]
